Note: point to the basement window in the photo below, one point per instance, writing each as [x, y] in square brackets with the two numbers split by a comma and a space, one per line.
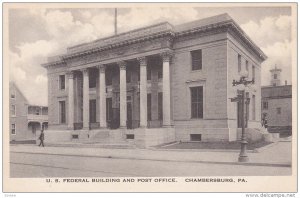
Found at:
[129, 136]
[74, 136]
[195, 137]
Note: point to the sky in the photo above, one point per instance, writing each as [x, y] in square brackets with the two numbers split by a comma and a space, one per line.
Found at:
[35, 34]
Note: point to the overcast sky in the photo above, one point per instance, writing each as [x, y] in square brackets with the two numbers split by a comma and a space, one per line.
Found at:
[35, 34]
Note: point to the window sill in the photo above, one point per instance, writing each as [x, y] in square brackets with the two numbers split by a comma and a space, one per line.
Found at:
[197, 70]
[196, 118]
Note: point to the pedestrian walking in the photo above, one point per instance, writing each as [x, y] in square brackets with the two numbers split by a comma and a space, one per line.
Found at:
[41, 138]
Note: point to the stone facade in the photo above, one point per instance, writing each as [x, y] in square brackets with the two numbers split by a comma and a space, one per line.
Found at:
[154, 64]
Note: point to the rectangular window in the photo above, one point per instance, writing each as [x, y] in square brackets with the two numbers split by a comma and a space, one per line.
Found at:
[275, 76]
[160, 106]
[62, 112]
[253, 107]
[37, 111]
[253, 72]
[13, 110]
[149, 107]
[196, 59]
[13, 129]
[195, 137]
[247, 66]
[148, 73]
[62, 82]
[129, 136]
[239, 63]
[196, 102]
[265, 104]
[278, 110]
[13, 94]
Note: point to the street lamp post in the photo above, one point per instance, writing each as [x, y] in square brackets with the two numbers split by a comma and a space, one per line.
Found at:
[241, 98]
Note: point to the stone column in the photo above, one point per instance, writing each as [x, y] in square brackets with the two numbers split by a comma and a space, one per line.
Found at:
[123, 95]
[102, 96]
[143, 91]
[166, 90]
[71, 101]
[86, 99]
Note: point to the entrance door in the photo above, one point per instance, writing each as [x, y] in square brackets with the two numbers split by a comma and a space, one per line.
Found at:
[129, 115]
[109, 112]
[92, 111]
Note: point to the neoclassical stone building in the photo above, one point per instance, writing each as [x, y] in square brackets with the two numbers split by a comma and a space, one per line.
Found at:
[154, 85]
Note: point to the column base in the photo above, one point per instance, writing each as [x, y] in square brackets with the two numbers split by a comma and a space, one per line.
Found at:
[167, 126]
[86, 128]
[123, 127]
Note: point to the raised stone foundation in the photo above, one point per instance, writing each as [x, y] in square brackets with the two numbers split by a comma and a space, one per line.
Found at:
[142, 137]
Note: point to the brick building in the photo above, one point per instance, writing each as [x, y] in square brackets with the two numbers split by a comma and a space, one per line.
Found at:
[25, 119]
[153, 85]
[276, 104]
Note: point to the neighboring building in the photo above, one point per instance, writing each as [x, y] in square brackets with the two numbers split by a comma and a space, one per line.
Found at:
[155, 84]
[276, 104]
[25, 120]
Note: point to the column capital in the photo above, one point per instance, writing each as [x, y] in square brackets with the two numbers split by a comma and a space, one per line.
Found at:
[101, 68]
[85, 71]
[166, 56]
[70, 74]
[142, 60]
[122, 65]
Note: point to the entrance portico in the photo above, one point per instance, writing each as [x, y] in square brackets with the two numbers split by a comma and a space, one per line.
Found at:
[125, 96]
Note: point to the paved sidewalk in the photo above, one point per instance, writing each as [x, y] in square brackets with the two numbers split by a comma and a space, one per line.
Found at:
[277, 154]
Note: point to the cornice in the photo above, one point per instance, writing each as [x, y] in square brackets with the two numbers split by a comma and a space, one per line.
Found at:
[54, 63]
[159, 31]
[119, 44]
[229, 26]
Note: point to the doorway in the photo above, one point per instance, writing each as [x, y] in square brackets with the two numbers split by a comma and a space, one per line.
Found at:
[93, 111]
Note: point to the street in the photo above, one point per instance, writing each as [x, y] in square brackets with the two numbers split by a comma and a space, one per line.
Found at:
[28, 165]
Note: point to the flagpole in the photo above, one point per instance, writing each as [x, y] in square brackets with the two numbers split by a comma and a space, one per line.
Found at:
[116, 13]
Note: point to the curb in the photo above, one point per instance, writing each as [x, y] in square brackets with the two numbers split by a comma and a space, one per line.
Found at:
[162, 160]
[199, 150]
